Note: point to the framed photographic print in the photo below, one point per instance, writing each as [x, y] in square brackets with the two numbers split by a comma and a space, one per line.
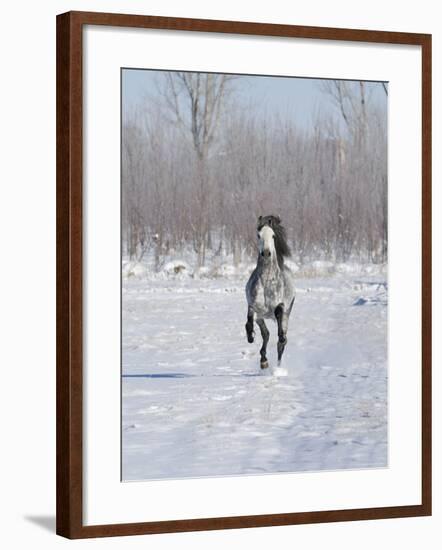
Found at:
[243, 274]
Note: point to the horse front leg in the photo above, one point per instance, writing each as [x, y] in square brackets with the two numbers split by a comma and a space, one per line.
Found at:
[265, 339]
[249, 325]
[282, 319]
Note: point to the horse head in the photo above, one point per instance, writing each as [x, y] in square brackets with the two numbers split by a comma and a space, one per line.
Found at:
[272, 238]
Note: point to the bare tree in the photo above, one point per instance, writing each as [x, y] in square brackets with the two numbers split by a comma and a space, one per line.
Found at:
[133, 215]
[195, 103]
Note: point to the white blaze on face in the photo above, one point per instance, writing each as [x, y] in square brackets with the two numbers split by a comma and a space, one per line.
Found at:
[266, 242]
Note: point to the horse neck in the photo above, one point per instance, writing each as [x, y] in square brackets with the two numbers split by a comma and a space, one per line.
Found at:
[268, 267]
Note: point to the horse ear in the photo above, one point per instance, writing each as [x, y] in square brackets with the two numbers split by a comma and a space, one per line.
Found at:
[277, 219]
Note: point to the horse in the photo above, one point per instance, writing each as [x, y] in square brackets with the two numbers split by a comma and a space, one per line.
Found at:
[270, 290]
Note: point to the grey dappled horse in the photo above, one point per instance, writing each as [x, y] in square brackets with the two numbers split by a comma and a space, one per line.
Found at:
[270, 291]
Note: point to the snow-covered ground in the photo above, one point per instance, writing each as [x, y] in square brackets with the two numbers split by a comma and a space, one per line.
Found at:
[195, 402]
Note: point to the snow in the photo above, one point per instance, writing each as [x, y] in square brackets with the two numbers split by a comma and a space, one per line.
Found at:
[195, 402]
[177, 268]
[134, 269]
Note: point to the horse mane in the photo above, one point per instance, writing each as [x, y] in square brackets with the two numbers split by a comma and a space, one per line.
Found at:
[281, 245]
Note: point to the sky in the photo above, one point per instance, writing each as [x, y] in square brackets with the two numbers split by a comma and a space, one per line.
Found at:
[300, 98]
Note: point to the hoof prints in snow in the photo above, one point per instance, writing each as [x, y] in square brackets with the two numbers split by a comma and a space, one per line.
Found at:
[195, 402]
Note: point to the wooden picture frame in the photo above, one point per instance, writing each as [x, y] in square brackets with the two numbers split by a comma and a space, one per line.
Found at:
[70, 273]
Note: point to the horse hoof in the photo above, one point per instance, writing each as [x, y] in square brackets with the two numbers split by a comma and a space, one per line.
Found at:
[264, 364]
